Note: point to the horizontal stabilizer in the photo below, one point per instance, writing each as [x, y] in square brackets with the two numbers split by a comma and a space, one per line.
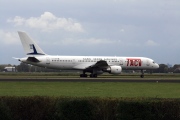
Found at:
[16, 58]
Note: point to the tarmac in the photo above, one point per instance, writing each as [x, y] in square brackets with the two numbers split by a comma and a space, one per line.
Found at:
[137, 80]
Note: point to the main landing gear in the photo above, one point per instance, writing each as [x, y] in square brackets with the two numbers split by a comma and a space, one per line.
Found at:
[91, 75]
[83, 75]
[142, 74]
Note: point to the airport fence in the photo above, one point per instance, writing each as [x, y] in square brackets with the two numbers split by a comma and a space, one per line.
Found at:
[69, 108]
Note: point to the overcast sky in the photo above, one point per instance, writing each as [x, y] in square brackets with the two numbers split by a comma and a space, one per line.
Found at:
[147, 28]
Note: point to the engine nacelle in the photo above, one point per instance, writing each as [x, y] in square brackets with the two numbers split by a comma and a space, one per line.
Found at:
[114, 69]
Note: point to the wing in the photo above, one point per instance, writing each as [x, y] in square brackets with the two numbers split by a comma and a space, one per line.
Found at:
[99, 65]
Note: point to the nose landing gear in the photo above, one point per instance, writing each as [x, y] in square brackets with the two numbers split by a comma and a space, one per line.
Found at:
[142, 74]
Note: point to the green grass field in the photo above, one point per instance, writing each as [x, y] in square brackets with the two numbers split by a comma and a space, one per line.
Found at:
[90, 89]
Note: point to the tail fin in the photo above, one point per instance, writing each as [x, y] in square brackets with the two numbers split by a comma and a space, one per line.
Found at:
[30, 47]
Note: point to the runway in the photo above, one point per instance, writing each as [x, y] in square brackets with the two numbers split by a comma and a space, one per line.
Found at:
[138, 80]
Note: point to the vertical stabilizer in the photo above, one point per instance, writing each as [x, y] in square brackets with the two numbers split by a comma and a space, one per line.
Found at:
[30, 47]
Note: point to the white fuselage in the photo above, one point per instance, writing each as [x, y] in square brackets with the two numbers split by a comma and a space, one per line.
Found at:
[82, 62]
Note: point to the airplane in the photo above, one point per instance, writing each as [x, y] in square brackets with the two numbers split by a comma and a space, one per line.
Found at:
[95, 65]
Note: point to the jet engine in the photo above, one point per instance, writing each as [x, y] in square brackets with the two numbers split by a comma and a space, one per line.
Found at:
[114, 69]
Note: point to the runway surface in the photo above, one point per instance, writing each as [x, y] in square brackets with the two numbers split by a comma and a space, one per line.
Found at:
[157, 80]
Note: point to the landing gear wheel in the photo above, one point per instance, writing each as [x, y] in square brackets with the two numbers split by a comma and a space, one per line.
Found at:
[93, 75]
[83, 75]
[142, 76]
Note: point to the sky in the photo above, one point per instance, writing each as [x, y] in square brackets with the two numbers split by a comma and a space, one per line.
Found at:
[144, 28]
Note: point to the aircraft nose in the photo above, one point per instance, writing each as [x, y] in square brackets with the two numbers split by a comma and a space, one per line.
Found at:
[157, 66]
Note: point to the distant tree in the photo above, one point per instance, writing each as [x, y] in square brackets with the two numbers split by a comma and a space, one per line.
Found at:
[176, 68]
[162, 69]
[23, 67]
[166, 69]
[3, 66]
[171, 69]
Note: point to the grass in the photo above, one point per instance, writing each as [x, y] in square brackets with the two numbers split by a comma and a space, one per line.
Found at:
[90, 89]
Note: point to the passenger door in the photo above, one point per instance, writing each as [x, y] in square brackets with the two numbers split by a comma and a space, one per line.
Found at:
[47, 60]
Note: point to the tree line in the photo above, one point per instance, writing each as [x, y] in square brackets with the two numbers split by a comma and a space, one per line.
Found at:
[23, 67]
[163, 68]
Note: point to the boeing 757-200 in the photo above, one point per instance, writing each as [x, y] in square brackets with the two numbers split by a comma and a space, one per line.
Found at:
[95, 65]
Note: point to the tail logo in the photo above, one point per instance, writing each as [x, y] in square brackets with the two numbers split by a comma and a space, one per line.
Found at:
[31, 46]
[34, 50]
